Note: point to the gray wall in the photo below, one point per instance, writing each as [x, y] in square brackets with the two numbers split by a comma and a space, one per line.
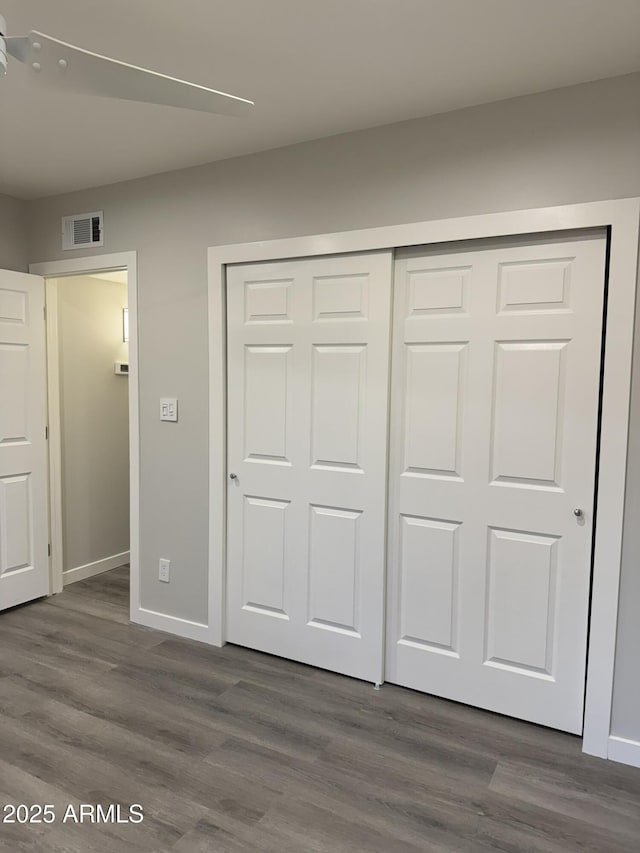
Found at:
[626, 695]
[94, 414]
[13, 234]
[576, 144]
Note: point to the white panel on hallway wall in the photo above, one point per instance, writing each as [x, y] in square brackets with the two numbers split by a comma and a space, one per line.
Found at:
[521, 598]
[428, 566]
[433, 409]
[16, 524]
[14, 389]
[264, 555]
[339, 383]
[266, 383]
[334, 568]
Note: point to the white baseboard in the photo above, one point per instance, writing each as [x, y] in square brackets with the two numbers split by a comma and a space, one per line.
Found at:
[171, 625]
[81, 573]
[624, 750]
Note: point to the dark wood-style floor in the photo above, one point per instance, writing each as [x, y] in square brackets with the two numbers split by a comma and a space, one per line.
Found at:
[232, 751]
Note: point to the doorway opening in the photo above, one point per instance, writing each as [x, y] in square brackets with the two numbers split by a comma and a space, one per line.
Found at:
[89, 417]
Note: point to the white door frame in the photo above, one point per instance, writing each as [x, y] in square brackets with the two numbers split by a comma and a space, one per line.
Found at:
[622, 218]
[88, 266]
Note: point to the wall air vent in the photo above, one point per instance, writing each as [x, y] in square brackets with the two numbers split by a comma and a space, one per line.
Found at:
[82, 231]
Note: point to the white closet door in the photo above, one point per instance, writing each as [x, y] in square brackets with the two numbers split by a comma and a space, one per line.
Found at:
[24, 562]
[493, 448]
[308, 365]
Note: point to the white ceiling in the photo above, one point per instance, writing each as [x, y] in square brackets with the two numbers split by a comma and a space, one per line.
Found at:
[314, 67]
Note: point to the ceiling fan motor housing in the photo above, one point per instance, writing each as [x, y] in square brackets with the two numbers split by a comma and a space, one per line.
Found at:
[3, 47]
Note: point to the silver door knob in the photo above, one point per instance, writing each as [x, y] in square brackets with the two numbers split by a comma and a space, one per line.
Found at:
[578, 512]
[233, 476]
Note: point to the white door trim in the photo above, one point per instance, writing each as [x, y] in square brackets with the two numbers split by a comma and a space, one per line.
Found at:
[56, 560]
[622, 217]
[80, 266]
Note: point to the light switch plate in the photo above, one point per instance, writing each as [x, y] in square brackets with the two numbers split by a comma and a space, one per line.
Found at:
[168, 409]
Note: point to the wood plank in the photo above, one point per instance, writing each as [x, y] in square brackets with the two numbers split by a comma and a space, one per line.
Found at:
[237, 751]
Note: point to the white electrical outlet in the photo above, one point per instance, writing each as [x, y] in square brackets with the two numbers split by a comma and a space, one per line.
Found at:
[163, 570]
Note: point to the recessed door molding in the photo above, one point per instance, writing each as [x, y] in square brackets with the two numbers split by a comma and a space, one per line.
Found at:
[622, 219]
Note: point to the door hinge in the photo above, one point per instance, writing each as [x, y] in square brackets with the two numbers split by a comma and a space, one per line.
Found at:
[49, 548]
[46, 433]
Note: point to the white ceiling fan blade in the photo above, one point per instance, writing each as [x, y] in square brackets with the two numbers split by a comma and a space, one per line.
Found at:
[68, 68]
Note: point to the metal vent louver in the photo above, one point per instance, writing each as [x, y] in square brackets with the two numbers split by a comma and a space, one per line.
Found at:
[82, 230]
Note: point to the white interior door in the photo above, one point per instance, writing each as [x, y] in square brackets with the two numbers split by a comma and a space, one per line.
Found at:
[24, 563]
[493, 448]
[308, 365]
